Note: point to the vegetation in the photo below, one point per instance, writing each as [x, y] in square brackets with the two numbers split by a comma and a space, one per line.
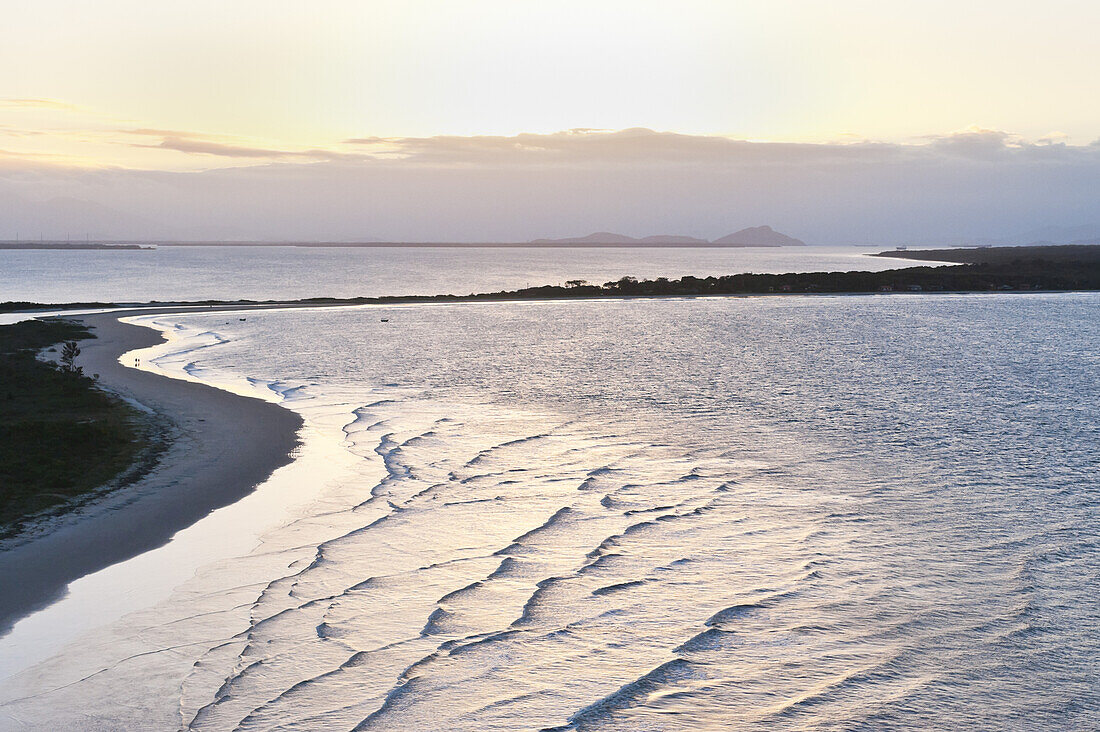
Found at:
[1001, 256]
[16, 305]
[964, 278]
[998, 269]
[61, 437]
[68, 359]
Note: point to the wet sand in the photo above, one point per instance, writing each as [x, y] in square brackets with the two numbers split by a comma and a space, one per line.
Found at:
[222, 446]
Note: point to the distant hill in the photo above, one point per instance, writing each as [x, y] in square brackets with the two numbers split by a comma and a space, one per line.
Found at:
[759, 236]
[607, 237]
[672, 239]
[600, 237]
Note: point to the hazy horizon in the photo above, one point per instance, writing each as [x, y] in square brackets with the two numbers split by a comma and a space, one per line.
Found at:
[976, 184]
[841, 124]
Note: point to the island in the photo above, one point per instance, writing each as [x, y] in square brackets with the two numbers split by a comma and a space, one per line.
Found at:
[755, 236]
[759, 236]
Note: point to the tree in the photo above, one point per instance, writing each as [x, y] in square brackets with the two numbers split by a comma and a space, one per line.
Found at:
[623, 283]
[68, 358]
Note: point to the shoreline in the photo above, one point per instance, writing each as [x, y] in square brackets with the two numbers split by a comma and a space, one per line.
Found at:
[945, 278]
[1030, 269]
[193, 477]
[223, 446]
[64, 310]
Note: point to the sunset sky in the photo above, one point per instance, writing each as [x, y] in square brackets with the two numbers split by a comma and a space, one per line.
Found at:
[93, 96]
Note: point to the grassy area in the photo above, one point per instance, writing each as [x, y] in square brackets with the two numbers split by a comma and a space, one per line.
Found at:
[61, 438]
[11, 306]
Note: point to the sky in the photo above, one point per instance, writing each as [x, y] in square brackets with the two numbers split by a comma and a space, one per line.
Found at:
[844, 122]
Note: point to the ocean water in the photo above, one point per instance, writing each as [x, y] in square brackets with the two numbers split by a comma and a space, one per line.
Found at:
[873, 512]
[288, 273]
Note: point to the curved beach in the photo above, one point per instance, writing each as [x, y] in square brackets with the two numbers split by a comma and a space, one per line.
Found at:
[560, 516]
[223, 446]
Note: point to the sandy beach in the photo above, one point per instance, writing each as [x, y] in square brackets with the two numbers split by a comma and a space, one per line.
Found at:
[222, 446]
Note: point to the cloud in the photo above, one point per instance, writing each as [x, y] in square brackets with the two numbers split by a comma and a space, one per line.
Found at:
[197, 144]
[29, 160]
[1054, 138]
[30, 103]
[12, 131]
[206, 147]
[974, 142]
[645, 147]
[588, 146]
[153, 132]
[955, 187]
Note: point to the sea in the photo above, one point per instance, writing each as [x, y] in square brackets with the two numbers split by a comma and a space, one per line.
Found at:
[175, 273]
[793, 512]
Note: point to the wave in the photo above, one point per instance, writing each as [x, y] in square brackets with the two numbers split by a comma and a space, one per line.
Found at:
[628, 694]
[617, 587]
[561, 515]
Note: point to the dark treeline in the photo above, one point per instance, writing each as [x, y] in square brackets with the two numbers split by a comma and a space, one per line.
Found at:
[1025, 276]
[17, 305]
[1017, 276]
[1060, 253]
[1021, 275]
[61, 437]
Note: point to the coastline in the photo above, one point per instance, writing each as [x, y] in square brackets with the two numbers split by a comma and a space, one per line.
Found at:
[954, 276]
[131, 669]
[223, 446]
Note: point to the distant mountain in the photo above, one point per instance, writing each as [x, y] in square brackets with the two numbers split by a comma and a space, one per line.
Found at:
[606, 237]
[759, 236]
[673, 239]
[600, 237]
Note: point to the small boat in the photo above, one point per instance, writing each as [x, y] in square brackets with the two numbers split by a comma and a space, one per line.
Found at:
[385, 320]
[241, 319]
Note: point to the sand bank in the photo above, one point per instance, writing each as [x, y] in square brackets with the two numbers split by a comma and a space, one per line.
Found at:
[223, 446]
